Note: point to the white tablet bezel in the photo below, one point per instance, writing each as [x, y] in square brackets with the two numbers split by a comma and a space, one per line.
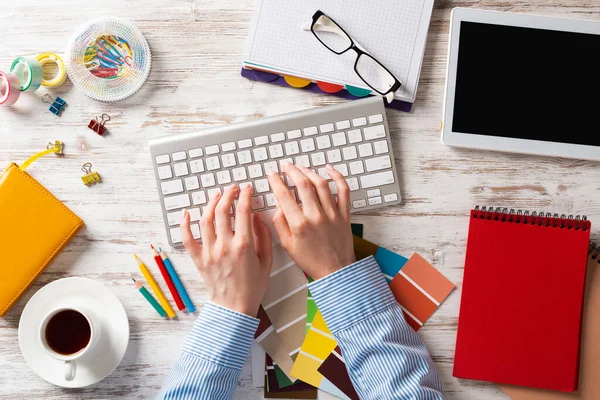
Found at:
[496, 143]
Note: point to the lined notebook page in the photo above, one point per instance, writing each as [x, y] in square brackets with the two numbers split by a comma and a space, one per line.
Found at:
[394, 32]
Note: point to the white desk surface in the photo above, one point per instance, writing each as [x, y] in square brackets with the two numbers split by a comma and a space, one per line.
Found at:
[195, 82]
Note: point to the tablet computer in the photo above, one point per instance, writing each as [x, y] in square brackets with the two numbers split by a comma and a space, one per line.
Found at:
[523, 83]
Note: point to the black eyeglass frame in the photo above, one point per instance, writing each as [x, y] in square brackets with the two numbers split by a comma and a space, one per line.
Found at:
[359, 52]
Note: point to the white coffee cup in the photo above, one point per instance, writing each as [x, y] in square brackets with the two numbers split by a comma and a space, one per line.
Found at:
[71, 359]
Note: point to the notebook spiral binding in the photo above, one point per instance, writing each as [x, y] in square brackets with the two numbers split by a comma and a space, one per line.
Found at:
[532, 218]
[594, 252]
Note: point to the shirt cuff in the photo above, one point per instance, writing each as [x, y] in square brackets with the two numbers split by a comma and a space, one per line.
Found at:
[352, 294]
[222, 336]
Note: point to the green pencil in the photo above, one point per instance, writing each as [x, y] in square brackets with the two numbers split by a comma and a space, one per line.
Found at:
[161, 311]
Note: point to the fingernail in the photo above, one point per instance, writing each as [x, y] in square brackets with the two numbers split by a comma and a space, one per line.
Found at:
[271, 172]
[184, 214]
[329, 167]
[231, 187]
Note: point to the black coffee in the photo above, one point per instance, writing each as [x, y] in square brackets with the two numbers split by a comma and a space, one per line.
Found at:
[68, 332]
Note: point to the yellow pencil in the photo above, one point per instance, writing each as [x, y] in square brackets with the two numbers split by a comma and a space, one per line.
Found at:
[155, 288]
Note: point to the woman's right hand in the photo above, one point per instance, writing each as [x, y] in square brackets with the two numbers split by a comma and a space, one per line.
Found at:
[317, 236]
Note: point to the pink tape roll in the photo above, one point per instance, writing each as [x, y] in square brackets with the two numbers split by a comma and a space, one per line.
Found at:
[10, 88]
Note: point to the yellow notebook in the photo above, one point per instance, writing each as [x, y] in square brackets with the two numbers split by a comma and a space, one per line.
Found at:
[35, 226]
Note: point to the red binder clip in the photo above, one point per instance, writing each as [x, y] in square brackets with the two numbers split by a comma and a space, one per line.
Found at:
[97, 125]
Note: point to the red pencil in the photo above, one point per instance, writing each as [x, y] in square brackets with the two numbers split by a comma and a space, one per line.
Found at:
[167, 278]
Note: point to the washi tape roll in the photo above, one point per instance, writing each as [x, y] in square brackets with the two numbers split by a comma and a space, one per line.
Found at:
[50, 58]
[29, 71]
[10, 88]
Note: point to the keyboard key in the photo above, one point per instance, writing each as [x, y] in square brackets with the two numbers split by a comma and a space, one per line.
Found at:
[212, 149]
[295, 134]
[213, 192]
[271, 201]
[270, 166]
[244, 157]
[333, 187]
[307, 145]
[342, 125]
[373, 193]
[354, 136]
[213, 163]
[257, 202]
[175, 202]
[175, 235]
[289, 182]
[180, 169]
[262, 185]
[180, 155]
[255, 171]
[163, 159]
[373, 119]
[310, 131]
[276, 150]
[388, 198]
[164, 172]
[260, 140]
[194, 214]
[284, 162]
[350, 153]
[260, 154]
[195, 231]
[208, 180]
[191, 183]
[292, 148]
[362, 121]
[334, 156]
[378, 163]
[342, 169]
[352, 184]
[195, 153]
[374, 132]
[326, 128]
[239, 174]
[244, 184]
[318, 159]
[278, 137]
[323, 142]
[223, 177]
[356, 167]
[365, 150]
[374, 201]
[229, 146]
[323, 173]
[303, 160]
[196, 166]
[359, 203]
[375, 180]
[173, 218]
[228, 160]
[245, 143]
[339, 139]
[381, 147]
[199, 197]
[171, 187]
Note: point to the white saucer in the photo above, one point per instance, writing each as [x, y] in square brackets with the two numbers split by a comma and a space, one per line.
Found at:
[85, 293]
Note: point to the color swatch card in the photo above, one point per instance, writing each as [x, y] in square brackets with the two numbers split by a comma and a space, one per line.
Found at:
[334, 368]
[299, 390]
[522, 299]
[269, 340]
[389, 262]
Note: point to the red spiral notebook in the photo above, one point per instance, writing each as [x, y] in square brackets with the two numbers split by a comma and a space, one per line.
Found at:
[522, 299]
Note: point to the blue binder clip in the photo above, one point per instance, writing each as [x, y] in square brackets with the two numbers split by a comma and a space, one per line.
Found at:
[56, 105]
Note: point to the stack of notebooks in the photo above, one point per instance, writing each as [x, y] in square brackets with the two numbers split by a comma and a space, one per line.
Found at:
[295, 353]
[520, 322]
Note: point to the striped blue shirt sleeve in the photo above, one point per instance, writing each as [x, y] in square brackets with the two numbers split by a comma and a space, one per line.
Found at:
[385, 357]
[213, 356]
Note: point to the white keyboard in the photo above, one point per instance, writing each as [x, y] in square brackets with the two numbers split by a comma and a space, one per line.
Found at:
[353, 137]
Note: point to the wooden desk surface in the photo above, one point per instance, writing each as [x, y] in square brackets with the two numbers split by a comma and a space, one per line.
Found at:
[197, 48]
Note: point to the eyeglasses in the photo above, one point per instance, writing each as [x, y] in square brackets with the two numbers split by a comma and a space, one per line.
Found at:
[371, 71]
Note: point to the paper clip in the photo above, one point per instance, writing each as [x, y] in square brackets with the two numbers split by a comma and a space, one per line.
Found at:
[56, 105]
[89, 177]
[97, 125]
[57, 144]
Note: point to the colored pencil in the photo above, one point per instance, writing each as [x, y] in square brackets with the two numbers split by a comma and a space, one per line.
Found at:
[155, 288]
[151, 300]
[177, 281]
[167, 277]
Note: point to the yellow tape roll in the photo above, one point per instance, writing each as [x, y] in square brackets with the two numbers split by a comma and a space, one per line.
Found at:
[59, 79]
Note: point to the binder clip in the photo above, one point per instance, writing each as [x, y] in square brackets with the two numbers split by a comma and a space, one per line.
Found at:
[57, 144]
[56, 105]
[89, 177]
[97, 125]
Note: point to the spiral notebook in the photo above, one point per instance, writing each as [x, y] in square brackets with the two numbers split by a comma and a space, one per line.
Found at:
[522, 299]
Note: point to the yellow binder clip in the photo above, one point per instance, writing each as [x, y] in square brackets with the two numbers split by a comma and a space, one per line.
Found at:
[58, 145]
[89, 177]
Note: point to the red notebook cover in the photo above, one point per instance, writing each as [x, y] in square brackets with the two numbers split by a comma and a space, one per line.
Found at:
[522, 299]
